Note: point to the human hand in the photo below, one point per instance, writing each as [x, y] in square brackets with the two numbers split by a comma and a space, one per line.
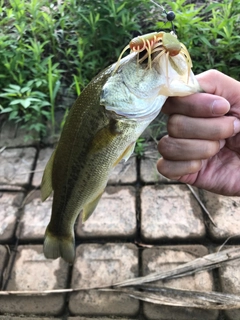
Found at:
[203, 145]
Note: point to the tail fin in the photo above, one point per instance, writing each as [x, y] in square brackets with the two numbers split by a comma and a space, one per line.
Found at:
[55, 247]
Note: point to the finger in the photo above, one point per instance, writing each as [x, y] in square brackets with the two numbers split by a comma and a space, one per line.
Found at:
[201, 105]
[180, 126]
[176, 169]
[187, 149]
[234, 143]
[217, 83]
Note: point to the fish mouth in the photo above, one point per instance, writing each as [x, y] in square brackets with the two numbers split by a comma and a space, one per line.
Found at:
[137, 90]
[143, 114]
[133, 91]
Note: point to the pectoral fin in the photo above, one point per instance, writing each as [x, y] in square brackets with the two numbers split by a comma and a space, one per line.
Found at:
[126, 154]
[46, 184]
[105, 136]
[90, 207]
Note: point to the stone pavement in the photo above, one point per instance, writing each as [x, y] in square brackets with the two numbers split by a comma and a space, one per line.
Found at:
[143, 223]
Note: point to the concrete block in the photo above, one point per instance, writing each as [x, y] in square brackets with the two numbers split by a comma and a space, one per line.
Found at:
[43, 158]
[98, 318]
[169, 257]
[225, 213]
[170, 212]
[115, 215]
[16, 166]
[148, 166]
[32, 271]
[229, 275]
[9, 206]
[10, 317]
[124, 172]
[12, 135]
[3, 261]
[98, 265]
[35, 218]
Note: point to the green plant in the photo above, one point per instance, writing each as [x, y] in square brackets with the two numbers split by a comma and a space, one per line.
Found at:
[63, 43]
[26, 105]
[66, 43]
[53, 87]
[158, 127]
[211, 33]
[140, 147]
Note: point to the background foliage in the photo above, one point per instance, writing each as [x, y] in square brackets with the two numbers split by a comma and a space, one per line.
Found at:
[46, 46]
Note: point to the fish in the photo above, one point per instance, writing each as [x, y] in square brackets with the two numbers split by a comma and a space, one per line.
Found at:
[102, 128]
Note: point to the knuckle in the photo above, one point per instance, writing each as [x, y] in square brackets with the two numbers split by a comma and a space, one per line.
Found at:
[175, 125]
[165, 168]
[165, 146]
[194, 166]
[162, 168]
[210, 149]
[223, 128]
[213, 73]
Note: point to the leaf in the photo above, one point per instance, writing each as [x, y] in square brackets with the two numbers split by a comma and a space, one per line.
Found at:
[33, 99]
[36, 108]
[24, 102]
[209, 261]
[16, 101]
[13, 115]
[46, 114]
[6, 110]
[205, 40]
[38, 83]
[56, 88]
[24, 89]
[15, 87]
[9, 92]
[212, 6]
[120, 7]
[185, 298]
[45, 103]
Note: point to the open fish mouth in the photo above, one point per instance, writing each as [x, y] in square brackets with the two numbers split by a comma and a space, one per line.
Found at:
[138, 88]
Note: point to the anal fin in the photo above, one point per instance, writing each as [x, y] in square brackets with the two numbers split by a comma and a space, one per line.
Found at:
[126, 154]
[90, 207]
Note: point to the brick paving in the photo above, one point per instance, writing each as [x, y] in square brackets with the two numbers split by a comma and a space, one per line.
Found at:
[165, 258]
[229, 275]
[99, 265]
[143, 223]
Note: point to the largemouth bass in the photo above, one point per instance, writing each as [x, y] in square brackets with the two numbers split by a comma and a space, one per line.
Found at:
[101, 129]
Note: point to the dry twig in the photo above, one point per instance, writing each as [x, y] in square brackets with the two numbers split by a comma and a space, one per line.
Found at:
[167, 296]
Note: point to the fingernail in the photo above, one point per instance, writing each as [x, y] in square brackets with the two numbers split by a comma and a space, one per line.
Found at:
[220, 106]
[236, 125]
[222, 143]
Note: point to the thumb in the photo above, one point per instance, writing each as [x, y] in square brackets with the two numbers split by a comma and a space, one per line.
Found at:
[217, 83]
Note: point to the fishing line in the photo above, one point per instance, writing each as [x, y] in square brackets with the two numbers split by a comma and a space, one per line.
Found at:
[170, 14]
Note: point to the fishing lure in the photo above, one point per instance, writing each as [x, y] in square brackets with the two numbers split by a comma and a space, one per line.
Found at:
[156, 44]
